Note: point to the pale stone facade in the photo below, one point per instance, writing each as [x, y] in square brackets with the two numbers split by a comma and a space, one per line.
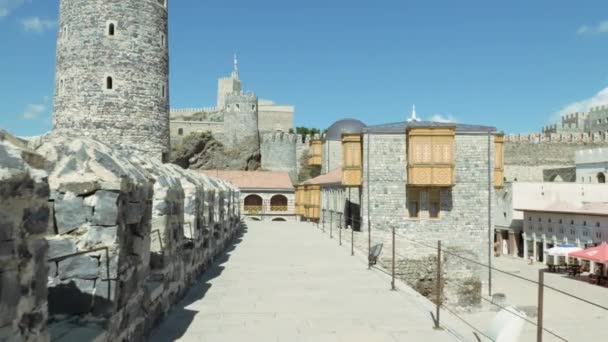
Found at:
[463, 219]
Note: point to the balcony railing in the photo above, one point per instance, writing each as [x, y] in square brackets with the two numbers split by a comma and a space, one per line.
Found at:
[278, 208]
[253, 209]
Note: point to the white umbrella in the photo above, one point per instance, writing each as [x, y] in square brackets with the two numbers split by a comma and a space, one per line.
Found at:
[563, 250]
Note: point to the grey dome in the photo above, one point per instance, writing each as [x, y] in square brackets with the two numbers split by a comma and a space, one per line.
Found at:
[335, 131]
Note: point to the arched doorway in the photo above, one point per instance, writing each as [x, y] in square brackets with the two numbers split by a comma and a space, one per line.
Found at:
[601, 177]
[278, 203]
[253, 204]
[279, 219]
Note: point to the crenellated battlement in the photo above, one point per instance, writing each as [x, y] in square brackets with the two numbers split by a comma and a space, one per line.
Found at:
[287, 138]
[539, 138]
[599, 108]
[190, 111]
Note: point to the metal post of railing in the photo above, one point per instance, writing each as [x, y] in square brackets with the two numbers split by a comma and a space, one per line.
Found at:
[352, 241]
[323, 213]
[438, 287]
[541, 294]
[331, 224]
[393, 263]
[340, 230]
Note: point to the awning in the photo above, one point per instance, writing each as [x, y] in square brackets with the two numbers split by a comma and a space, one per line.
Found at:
[563, 250]
[597, 254]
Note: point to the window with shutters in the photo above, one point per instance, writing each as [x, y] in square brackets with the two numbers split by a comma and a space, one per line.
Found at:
[499, 162]
[413, 203]
[351, 159]
[316, 147]
[431, 156]
[434, 203]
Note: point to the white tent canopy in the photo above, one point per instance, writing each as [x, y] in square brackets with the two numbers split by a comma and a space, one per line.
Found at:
[563, 250]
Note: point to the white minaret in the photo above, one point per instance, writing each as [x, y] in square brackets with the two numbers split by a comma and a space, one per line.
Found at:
[413, 117]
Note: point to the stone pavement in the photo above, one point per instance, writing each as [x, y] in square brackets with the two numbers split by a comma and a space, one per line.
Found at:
[285, 281]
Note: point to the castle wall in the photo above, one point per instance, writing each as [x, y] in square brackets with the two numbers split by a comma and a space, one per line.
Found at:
[182, 129]
[279, 153]
[24, 216]
[302, 148]
[526, 156]
[274, 118]
[134, 113]
[598, 120]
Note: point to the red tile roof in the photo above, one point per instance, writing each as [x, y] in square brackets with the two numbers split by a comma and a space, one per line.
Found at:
[253, 179]
[332, 177]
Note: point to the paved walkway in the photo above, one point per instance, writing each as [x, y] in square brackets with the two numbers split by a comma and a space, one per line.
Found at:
[286, 281]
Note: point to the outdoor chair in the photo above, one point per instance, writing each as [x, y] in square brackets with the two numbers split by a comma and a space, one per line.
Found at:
[374, 253]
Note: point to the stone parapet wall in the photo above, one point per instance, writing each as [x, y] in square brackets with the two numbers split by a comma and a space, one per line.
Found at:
[24, 215]
[127, 237]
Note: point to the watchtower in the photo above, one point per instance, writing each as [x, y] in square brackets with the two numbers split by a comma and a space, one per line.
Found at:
[112, 73]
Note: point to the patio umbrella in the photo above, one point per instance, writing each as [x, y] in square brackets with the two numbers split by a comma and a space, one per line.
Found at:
[563, 250]
[597, 254]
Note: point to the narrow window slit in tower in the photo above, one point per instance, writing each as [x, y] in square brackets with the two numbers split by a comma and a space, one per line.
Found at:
[109, 82]
[111, 29]
[163, 91]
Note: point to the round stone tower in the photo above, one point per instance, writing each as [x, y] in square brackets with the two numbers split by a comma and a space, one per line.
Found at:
[112, 73]
[241, 121]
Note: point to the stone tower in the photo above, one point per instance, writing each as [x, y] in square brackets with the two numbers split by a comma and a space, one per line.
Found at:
[228, 85]
[241, 120]
[112, 73]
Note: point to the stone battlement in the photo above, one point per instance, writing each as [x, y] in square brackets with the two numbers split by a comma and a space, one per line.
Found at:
[537, 138]
[599, 108]
[194, 110]
[288, 138]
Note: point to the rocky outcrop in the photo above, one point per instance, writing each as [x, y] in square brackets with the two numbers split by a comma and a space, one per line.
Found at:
[24, 216]
[203, 152]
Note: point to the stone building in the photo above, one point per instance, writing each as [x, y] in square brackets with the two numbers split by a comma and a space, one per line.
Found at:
[112, 73]
[265, 196]
[595, 121]
[584, 225]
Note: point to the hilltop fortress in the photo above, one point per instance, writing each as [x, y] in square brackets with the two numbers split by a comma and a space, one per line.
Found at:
[241, 119]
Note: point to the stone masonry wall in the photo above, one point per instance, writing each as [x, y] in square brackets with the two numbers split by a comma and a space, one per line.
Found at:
[279, 153]
[463, 222]
[332, 155]
[24, 215]
[128, 237]
[135, 112]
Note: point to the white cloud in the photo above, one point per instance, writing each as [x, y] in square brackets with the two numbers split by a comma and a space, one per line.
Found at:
[34, 110]
[602, 27]
[35, 24]
[441, 118]
[585, 105]
[7, 6]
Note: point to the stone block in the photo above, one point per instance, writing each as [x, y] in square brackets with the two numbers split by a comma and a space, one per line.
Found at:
[60, 247]
[35, 219]
[113, 266]
[105, 208]
[9, 296]
[7, 249]
[81, 267]
[135, 211]
[70, 213]
[96, 235]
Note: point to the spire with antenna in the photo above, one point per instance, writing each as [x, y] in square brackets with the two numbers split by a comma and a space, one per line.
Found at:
[413, 117]
[235, 71]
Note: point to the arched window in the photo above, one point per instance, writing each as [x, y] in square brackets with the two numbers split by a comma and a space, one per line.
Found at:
[253, 204]
[111, 29]
[180, 131]
[109, 83]
[601, 177]
[278, 203]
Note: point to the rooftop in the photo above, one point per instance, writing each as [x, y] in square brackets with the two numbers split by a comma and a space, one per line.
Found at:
[253, 180]
[332, 177]
[592, 208]
[401, 126]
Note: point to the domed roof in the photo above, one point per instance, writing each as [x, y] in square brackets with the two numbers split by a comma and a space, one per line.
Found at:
[335, 131]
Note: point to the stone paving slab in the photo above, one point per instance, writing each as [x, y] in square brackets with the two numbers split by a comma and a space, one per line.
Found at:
[286, 282]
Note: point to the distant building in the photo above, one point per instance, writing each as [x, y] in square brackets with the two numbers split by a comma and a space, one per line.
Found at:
[592, 165]
[553, 204]
[595, 121]
[265, 195]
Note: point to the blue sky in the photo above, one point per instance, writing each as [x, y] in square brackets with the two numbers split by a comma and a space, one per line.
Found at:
[512, 64]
